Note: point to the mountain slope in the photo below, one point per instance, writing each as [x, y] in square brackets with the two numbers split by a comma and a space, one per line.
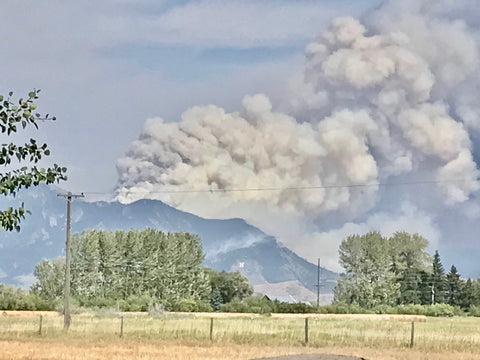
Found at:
[229, 244]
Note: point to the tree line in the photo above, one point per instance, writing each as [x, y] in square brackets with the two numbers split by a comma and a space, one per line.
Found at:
[136, 270]
[143, 269]
[397, 270]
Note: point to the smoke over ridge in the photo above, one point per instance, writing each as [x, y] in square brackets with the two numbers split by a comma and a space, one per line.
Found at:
[392, 97]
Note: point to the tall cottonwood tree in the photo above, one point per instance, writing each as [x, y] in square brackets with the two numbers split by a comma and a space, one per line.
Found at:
[383, 271]
[369, 280]
[116, 265]
[50, 278]
[16, 115]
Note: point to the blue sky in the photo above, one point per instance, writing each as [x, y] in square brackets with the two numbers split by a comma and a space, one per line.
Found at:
[105, 67]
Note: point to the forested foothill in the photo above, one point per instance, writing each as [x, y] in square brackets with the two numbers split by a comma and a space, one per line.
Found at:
[149, 270]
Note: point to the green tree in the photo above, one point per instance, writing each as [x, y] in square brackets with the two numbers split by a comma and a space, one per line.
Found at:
[136, 266]
[409, 260]
[454, 286]
[50, 277]
[216, 301]
[11, 298]
[439, 285]
[368, 280]
[410, 281]
[16, 115]
[425, 287]
[469, 294]
[408, 251]
[230, 285]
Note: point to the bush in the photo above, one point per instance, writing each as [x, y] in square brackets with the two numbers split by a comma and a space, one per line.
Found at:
[190, 305]
[235, 306]
[138, 303]
[18, 299]
[342, 308]
[95, 302]
[296, 308]
[440, 310]
[35, 302]
[409, 309]
[474, 310]
[253, 304]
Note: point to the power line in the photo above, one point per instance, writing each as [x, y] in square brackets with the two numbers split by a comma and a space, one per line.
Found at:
[292, 188]
[66, 300]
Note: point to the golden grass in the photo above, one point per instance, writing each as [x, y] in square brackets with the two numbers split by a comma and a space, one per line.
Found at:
[97, 337]
[117, 349]
[220, 315]
[27, 313]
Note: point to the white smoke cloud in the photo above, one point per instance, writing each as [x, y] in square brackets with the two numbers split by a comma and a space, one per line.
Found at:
[386, 98]
[254, 149]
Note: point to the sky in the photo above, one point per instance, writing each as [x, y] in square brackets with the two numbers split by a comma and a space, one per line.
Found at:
[138, 85]
[105, 67]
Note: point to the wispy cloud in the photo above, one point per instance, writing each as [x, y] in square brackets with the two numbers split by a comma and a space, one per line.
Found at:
[229, 23]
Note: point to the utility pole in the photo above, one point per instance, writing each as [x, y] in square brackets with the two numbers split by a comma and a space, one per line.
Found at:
[318, 283]
[66, 294]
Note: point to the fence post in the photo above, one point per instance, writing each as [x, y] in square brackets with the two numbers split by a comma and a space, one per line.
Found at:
[412, 335]
[211, 329]
[121, 326]
[306, 331]
[40, 326]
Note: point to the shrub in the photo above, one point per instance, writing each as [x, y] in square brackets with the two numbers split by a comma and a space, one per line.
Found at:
[252, 304]
[295, 308]
[342, 308]
[474, 310]
[136, 303]
[439, 310]
[408, 309]
[190, 305]
[235, 306]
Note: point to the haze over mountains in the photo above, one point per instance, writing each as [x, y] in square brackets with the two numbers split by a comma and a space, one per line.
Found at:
[228, 244]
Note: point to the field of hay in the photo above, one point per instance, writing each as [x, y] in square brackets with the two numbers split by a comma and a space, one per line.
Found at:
[187, 336]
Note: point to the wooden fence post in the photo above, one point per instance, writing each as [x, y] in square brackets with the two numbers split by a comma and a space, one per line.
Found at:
[306, 331]
[412, 335]
[211, 329]
[40, 326]
[121, 326]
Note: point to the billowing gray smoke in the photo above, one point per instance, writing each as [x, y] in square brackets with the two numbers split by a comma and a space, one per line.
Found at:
[392, 98]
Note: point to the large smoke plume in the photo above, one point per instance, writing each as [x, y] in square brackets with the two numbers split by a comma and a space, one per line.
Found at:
[390, 99]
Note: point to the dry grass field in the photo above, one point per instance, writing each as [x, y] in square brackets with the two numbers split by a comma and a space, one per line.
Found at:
[184, 336]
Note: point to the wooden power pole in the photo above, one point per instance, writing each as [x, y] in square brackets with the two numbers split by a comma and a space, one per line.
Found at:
[66, 293]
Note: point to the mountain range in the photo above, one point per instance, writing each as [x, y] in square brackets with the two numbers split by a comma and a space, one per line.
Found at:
[230, 245]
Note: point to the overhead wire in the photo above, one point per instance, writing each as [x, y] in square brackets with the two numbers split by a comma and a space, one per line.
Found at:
[292, 188]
